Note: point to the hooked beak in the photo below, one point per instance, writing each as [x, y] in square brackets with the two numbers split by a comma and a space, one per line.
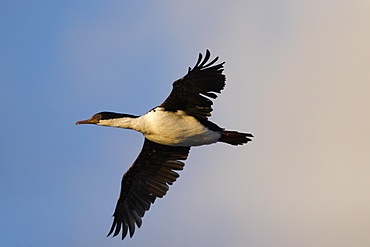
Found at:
[85, 122]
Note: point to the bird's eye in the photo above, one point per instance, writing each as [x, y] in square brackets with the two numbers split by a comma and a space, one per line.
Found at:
[96, 117]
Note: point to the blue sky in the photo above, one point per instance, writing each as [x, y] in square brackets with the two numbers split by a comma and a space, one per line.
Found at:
[297, 78]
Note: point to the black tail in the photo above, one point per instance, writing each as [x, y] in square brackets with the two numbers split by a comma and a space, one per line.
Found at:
[234, 137]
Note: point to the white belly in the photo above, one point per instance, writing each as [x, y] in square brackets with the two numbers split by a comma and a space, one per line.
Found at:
[176, 129]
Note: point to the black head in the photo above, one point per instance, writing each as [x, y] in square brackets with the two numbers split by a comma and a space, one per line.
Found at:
[111, 115]
[104, 116]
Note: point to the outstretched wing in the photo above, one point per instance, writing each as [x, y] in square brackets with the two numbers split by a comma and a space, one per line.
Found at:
[188, 93]
[147, 179]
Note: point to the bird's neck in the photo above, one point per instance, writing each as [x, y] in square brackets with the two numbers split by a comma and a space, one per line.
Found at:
[122, 122]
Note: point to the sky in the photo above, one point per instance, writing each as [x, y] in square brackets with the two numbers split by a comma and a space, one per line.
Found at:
[298, 78]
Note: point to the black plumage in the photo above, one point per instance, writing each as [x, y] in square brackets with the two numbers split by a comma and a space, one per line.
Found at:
[148, 178]
[188, 93]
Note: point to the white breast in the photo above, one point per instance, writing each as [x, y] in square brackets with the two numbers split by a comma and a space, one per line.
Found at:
[175, 129]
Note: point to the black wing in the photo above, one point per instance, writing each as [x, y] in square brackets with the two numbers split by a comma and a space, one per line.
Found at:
[147, 179]
[188, 93]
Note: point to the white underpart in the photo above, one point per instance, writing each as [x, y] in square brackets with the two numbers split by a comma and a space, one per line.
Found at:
[168, 128]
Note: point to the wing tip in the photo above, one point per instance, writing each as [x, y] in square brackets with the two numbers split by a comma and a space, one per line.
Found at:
[202, 64]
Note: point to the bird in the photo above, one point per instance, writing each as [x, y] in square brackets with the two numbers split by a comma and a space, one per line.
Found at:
[169, 130]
